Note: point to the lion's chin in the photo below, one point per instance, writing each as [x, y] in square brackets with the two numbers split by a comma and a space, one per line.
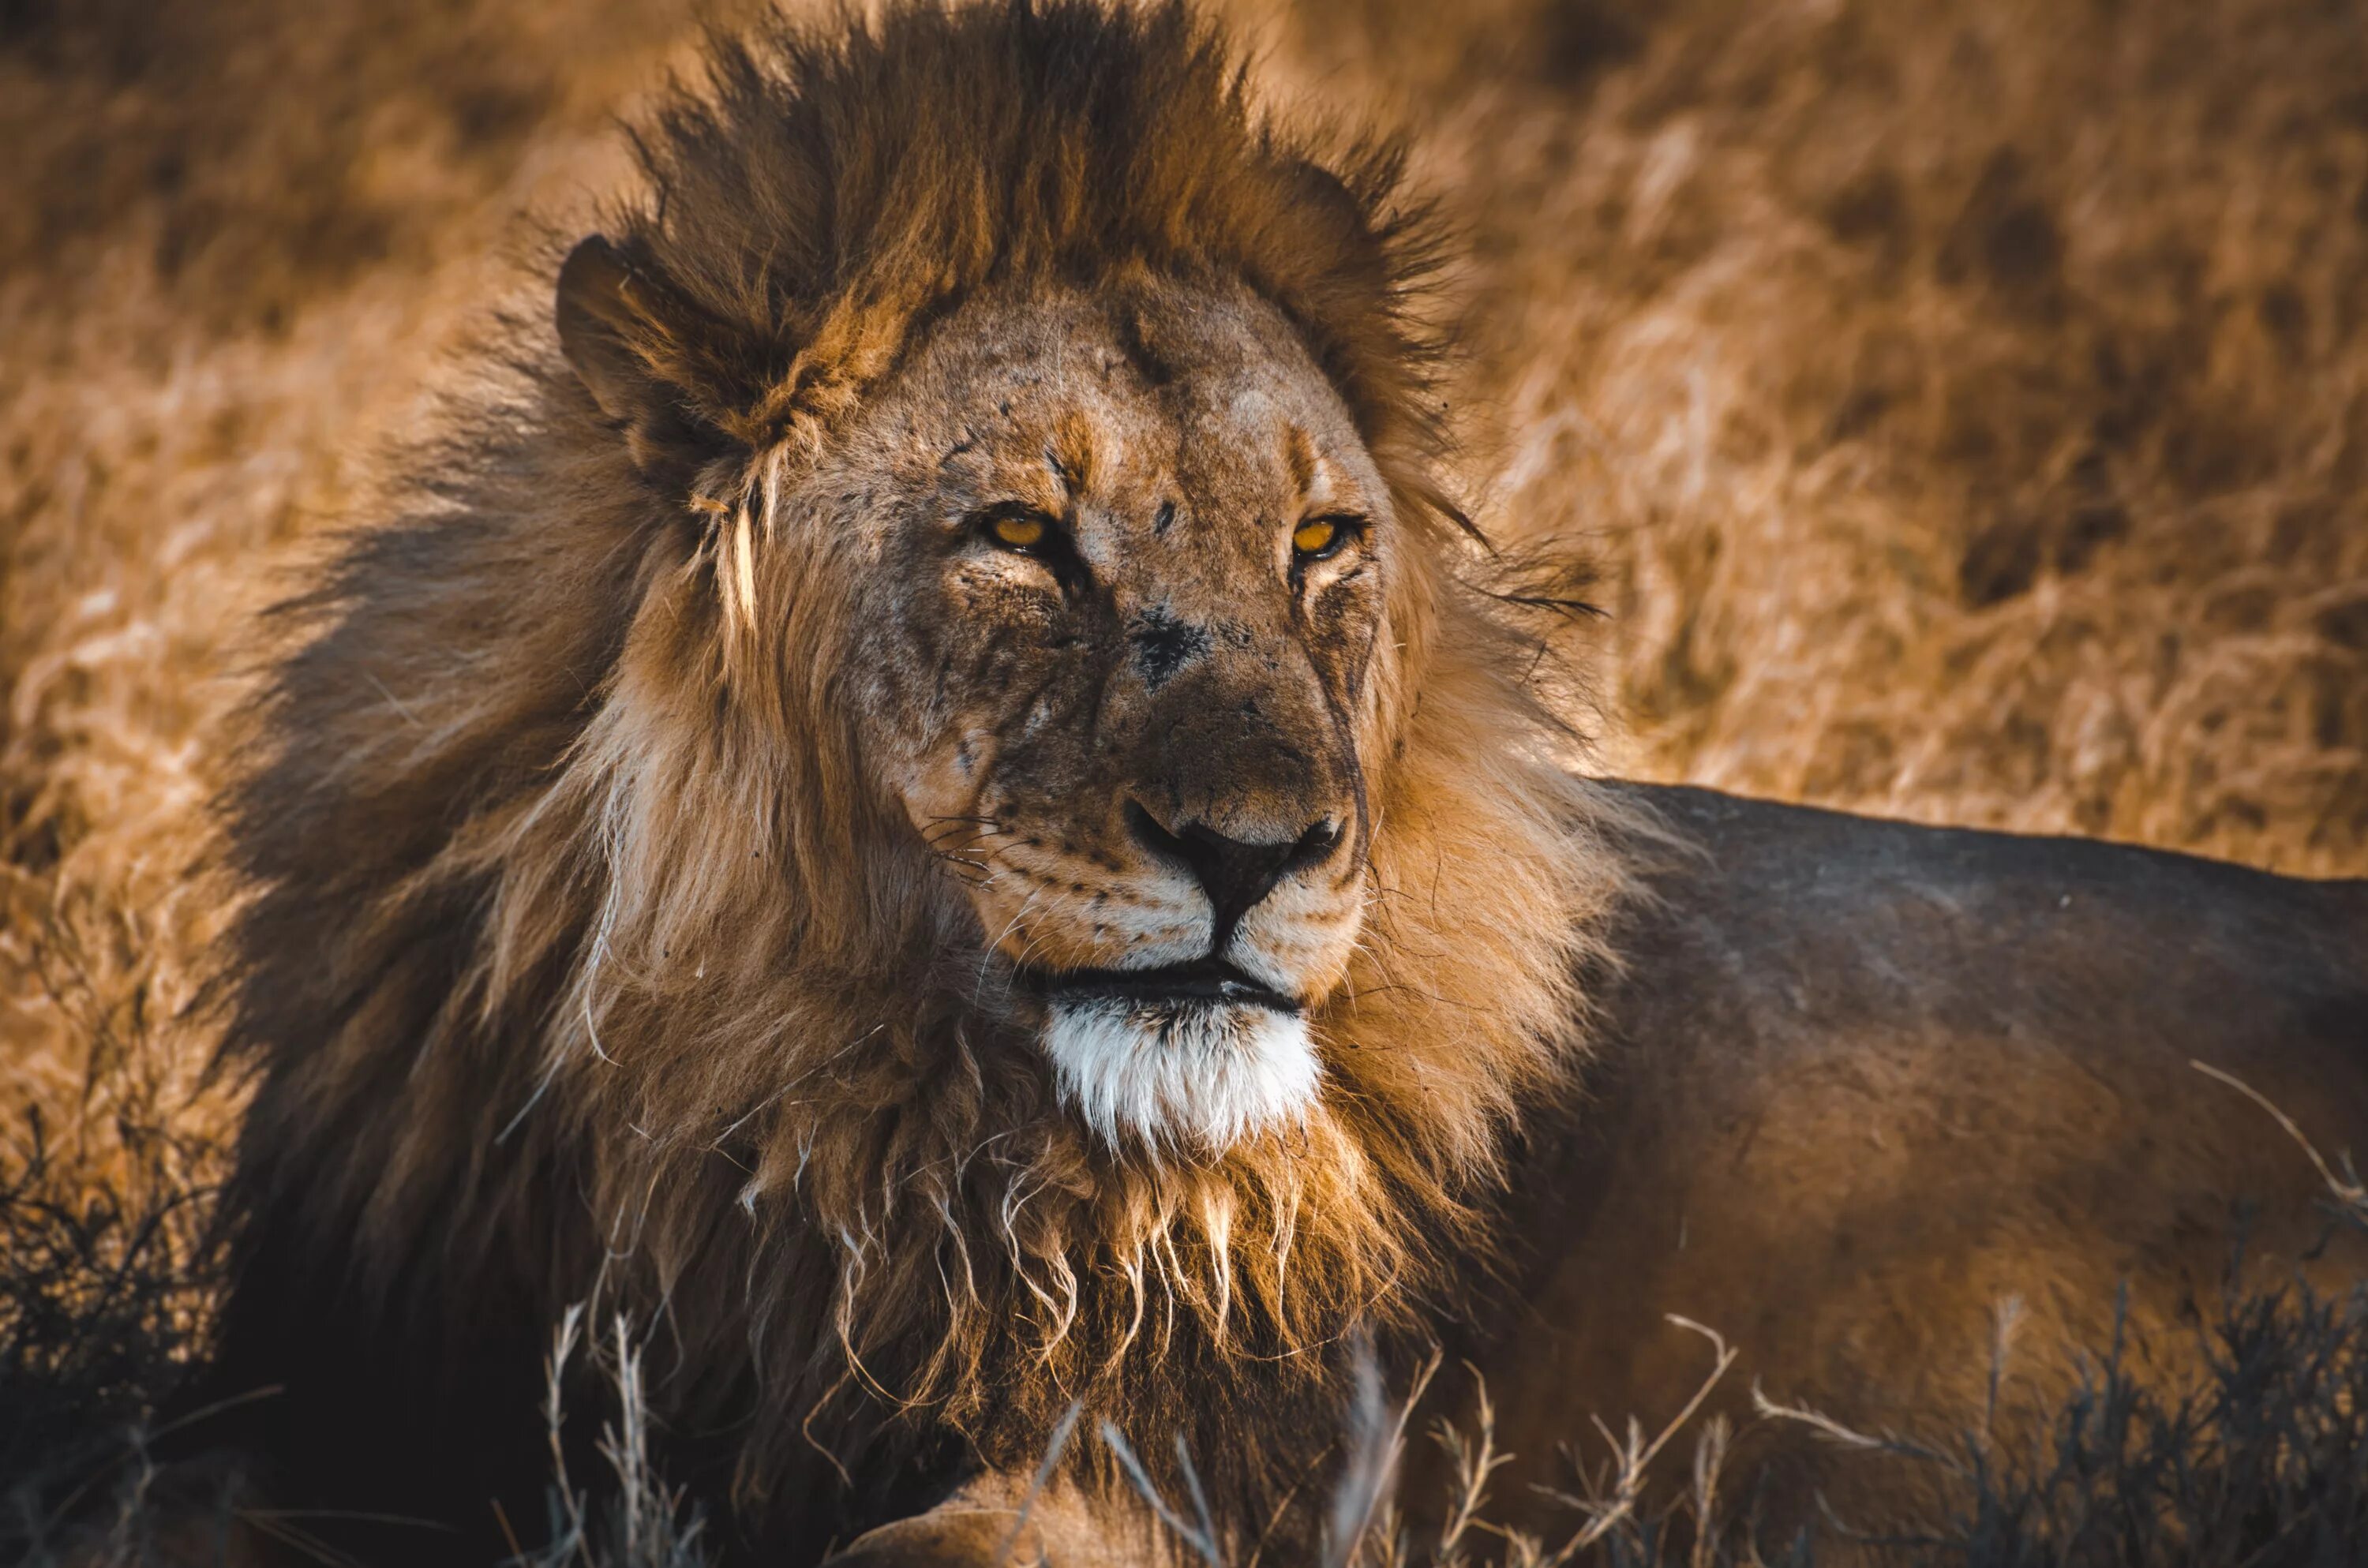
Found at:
[1211, 1074]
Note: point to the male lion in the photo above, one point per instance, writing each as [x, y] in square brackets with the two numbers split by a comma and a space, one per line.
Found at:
[929, 802]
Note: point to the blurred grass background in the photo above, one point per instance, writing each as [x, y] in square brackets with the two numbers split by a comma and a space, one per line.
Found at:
[1968, 402]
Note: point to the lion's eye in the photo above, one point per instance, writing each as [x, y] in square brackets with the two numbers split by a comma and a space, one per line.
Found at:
[1018, 532]
[1319, 536]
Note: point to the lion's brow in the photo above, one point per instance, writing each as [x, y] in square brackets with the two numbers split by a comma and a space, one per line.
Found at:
[1300, 453]
[1071, 452]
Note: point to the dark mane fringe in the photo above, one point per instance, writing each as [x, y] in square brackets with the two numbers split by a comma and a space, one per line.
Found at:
[576, 965]
[824, 193]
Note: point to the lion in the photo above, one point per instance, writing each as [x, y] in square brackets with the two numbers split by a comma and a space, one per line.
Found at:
[923, 793]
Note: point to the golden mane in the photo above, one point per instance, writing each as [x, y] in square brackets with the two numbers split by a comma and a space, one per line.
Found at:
[584, 961]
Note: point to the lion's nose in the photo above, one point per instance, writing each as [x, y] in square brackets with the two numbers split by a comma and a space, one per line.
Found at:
[1235, 874]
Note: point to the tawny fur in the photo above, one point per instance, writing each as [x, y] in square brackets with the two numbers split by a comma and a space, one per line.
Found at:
[591, 959]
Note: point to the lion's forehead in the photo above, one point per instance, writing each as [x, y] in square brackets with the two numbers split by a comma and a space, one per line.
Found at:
[1200, 411]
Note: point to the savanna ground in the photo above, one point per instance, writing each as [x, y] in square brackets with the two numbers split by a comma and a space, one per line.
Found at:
[1967, 401]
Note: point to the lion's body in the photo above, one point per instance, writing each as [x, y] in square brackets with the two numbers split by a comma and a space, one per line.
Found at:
[1863, 1082]
[927, 801]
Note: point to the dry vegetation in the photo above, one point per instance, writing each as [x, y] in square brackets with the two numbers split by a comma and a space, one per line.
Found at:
[1972, 398]
[1968, 400]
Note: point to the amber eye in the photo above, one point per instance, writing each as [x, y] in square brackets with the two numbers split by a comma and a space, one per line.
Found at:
[1018, 532]
[1318, 536]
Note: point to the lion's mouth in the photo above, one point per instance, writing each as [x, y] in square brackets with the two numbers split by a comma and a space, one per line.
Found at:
[1202, 983]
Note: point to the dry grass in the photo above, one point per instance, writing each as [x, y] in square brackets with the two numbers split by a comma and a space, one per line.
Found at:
[1969, 400]
[1972, 397]
[2260, 1460]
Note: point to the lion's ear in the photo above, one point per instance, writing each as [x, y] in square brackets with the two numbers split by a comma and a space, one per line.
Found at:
[1325, 198]
[649, 358]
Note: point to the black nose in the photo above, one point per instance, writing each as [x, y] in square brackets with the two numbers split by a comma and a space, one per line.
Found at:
[1233, 873]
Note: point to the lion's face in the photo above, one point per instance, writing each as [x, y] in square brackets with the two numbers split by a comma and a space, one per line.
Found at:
[1123, 649]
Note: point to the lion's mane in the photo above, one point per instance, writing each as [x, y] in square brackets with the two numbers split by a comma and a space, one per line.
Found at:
[581, 960]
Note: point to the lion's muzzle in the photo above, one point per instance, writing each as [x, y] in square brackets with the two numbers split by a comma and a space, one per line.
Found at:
[1235, 874]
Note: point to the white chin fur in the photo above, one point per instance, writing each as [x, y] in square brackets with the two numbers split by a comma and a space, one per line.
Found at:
[1215, 1074]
